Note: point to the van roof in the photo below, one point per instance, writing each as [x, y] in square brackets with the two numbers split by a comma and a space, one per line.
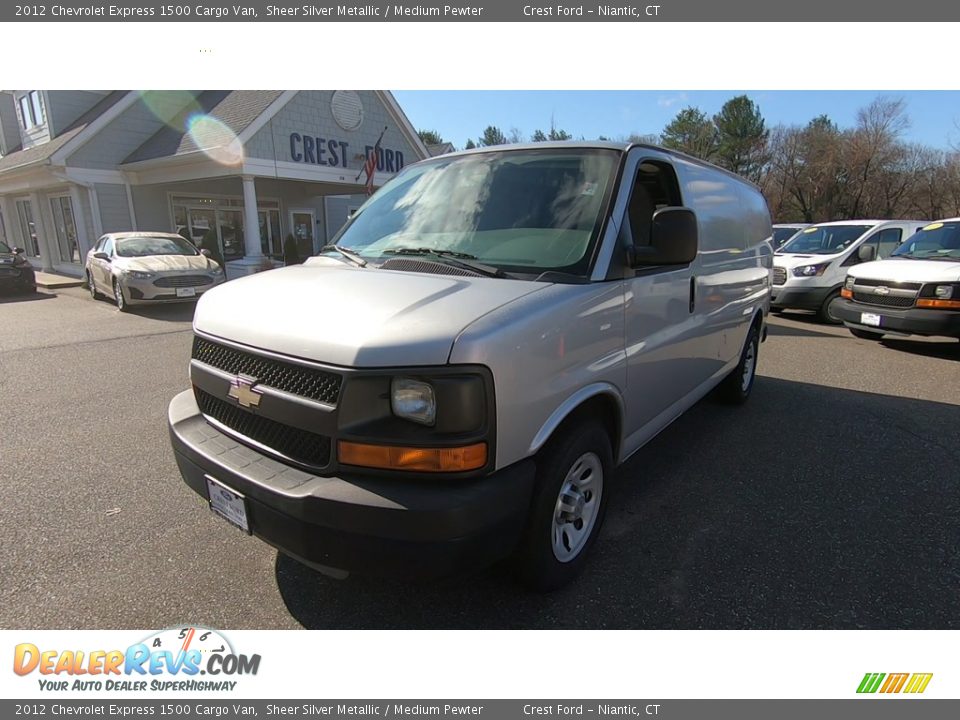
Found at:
[836, 223]
[595, 145]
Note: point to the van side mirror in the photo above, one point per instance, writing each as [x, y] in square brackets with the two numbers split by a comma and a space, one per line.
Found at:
[18, 251]
[673, 239]
[866, 253]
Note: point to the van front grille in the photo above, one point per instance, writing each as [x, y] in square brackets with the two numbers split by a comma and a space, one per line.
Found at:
[899, 301]
[300, 380]
[300, 446]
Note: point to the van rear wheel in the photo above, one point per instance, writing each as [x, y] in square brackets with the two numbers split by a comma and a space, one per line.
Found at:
[568, 506]
[736, 387]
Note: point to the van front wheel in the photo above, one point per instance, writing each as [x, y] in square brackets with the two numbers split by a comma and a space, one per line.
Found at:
[568, 506]
[828, 311]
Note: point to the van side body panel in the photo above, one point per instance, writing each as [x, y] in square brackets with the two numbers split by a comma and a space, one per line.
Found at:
[542, 352]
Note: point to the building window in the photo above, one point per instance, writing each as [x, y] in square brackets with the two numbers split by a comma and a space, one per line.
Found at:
[31, 110]
[66, 229]
[216, 224]
[28, 230]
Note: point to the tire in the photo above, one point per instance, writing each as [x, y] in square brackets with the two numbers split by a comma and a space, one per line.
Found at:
[824, 313]
[572, 471]
[94, 293]
[119, 298]
[865, 334]
[737, 386]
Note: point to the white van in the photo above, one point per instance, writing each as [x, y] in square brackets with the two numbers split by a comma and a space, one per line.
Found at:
[915, 292]
[809, 270]
[457, 376]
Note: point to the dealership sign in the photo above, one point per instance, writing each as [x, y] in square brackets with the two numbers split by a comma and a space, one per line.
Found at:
[333, 152]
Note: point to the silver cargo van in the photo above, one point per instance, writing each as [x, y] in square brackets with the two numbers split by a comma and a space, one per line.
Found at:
[457, 377]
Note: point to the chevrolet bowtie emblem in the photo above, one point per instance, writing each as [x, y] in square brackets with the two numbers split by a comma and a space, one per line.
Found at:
[243, 391]
[881, 290]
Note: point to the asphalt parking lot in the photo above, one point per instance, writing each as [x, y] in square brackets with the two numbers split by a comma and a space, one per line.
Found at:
[831, 500]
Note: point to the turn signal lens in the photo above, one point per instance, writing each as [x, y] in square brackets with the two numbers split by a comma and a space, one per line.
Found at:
[848, 294]
[390, 457]
[938, 304]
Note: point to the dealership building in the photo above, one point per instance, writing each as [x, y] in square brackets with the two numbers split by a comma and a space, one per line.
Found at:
[207, 164]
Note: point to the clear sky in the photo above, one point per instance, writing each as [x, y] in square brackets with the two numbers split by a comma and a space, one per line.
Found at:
[458, 115]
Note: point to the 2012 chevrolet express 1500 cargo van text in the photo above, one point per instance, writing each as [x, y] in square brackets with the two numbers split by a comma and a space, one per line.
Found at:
[456, 379]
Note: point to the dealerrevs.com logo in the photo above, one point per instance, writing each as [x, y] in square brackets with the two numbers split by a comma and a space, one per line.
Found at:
[172, 659]
[911, 683]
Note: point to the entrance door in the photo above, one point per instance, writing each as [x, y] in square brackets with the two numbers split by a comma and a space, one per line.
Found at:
[231, 234]
[271, 241]
[66, 229]
[302, 222]
[202, 227]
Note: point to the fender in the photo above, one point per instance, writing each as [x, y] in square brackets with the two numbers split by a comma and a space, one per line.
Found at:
[572, 403]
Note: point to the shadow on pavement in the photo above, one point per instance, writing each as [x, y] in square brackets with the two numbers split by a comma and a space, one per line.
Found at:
[945, 350]
[25, 297]
[842, 513]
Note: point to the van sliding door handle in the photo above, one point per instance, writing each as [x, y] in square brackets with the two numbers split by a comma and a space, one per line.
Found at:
[693, 292]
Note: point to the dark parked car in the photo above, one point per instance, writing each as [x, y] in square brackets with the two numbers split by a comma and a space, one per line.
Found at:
[16, 273]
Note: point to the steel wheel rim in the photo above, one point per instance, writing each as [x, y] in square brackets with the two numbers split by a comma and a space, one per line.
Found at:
[578, 505]
[118, 293]
[749, 366]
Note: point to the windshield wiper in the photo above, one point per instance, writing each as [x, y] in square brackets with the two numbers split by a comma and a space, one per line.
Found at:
[464, 261]
[351, 255]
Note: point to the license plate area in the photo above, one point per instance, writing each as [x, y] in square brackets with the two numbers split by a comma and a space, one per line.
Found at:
[228, 504]
[186, 292]
[871, 319]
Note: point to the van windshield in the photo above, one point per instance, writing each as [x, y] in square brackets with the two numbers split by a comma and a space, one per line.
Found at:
[940, 241]
[825, 240]
[521, 211]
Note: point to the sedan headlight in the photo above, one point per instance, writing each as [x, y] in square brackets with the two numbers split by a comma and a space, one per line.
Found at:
[943, 292]
[217, 271]
[138, 275]
[413, 400]
[810, 270]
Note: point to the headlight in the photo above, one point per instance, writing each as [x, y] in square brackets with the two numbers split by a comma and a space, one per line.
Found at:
[137, 275]
[413, 400]
[217, 271]
[848, 283]
[944, 292]
[810, 270]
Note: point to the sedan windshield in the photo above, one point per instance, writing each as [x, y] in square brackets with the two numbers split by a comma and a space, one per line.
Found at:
[940, 241]
[525, 211]
[146, 246]
[825, 240]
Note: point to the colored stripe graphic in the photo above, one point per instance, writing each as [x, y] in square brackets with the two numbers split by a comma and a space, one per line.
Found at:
[918, 683]
[894, 683]
[870, 682]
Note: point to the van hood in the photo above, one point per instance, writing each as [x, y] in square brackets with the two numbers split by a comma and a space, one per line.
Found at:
[791, 260]
[906, 270]
[351, 316]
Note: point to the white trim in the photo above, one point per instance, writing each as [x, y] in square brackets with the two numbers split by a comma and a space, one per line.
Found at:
[59, 157]
[403, 121]
[95, 211]
[130, 208]
[90, 175]
[267, 115]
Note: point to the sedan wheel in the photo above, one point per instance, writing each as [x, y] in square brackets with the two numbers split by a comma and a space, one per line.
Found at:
[118, 296]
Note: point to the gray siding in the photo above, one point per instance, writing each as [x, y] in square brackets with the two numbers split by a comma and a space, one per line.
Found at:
[65, 106]
[338, 211]
[308, 113]
[114, 210]
[9, 127]
[126, 133]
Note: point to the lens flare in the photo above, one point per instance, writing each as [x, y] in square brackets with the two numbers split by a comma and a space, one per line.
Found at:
[170, 106]
[215, 139]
